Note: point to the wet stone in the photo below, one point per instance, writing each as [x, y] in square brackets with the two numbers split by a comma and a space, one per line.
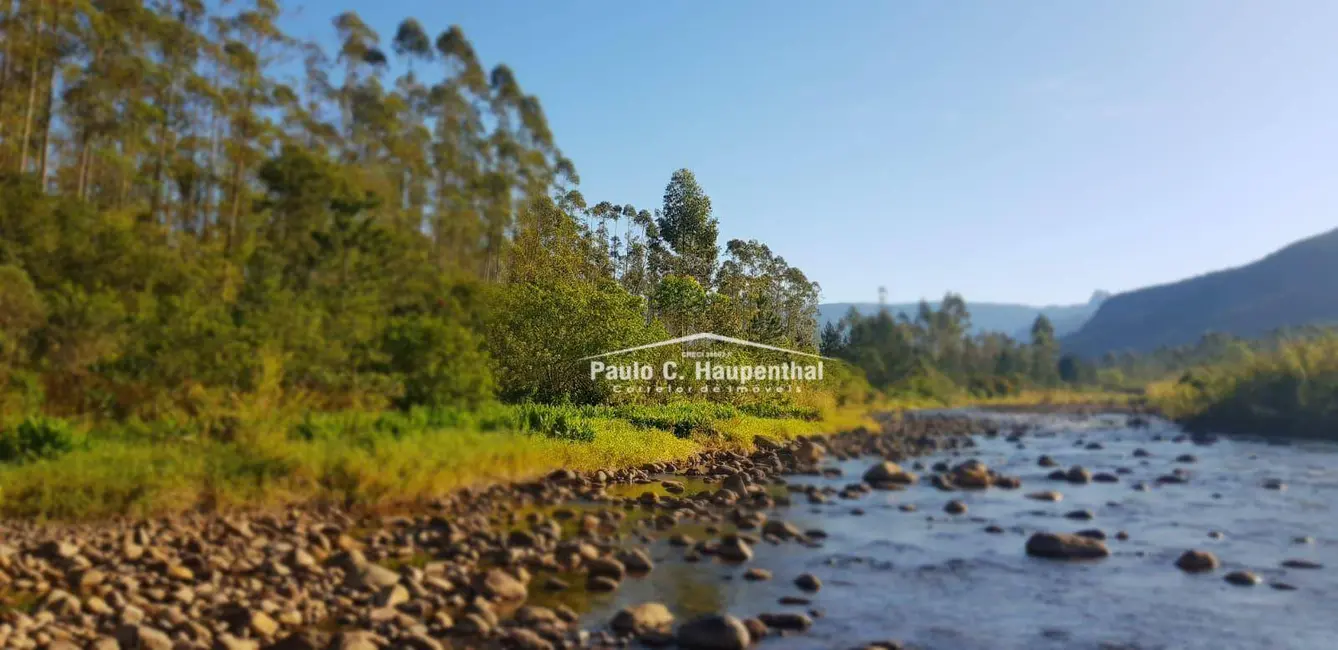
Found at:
[1194, 561]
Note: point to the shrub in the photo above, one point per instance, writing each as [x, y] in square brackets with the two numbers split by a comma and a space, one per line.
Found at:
[440, 361]
[36, 438]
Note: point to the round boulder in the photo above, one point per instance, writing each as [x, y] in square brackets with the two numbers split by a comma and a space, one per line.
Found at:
[1062, 546]
[888, 473]
[1193, 561]
[644, 619]
[714, 632]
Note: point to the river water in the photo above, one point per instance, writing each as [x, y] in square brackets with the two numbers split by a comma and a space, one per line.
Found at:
[937, 581]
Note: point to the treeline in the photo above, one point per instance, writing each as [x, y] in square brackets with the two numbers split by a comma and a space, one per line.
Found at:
[182, 226]
[1133, 369]
[933, 353]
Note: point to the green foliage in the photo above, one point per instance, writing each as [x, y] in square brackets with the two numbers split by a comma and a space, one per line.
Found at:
[21, 311]
[36, 438]
[1291, 390]
[556, 422]
[680, 301]
[688, 228]
[933, 356]
[440, 362]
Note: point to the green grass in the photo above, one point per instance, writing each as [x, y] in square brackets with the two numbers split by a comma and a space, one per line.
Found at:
[368, 459]
[258, 456]
[1290, 391]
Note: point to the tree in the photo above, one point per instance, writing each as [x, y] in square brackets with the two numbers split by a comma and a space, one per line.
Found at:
[682, 303]
[1044, 350]
[688, 228]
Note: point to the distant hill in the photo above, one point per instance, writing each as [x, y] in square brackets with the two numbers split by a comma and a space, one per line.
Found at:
[1012, 319]
[1297, 285]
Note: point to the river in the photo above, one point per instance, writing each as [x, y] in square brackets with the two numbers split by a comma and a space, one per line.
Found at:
[938, 581]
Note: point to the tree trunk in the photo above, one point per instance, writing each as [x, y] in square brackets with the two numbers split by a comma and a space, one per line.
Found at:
[164, 133]
[235, 210]
[209, 191]
[46, 120]
[6, 64]
[25, 141]
[81, 185]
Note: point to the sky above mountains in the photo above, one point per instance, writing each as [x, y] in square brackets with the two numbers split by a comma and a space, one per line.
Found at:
[1013, 152]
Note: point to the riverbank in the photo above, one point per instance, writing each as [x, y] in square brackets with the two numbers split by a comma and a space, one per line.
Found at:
[360, 460]
[453, 568]
[263, 459]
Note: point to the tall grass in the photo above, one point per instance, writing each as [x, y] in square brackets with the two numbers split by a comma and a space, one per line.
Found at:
[1290, 391]
[265, 458]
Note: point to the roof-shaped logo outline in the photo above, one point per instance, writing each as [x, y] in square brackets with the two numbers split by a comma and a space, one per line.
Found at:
[706, 336]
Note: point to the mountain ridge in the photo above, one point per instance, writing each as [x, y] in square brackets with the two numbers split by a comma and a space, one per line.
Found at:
[1285, 288]
[1013, 319]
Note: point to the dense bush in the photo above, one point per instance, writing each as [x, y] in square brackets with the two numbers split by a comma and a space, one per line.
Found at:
[35, 439]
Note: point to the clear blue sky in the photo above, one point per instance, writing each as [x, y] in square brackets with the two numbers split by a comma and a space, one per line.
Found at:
[1021, 151]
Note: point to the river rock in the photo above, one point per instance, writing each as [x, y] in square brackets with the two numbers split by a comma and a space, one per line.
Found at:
[601, 584]
[143, 637]
[714, 632]
[737, 483]
[781, 528]
[1062, 546]
[971, 474]
[526, 639]
[1092, 533]
[644, 619]
[734, 549]
[1242, 578]
[789, 621]
[955, 508]
[1048, 495]
[1301, 564]
[368, 576]
[636, 561]
[1194, 561]
[606, 568]
[499, 585]
[808, 582]
[1078, 475]
[756, 574]
[809, 452]
[888, 473]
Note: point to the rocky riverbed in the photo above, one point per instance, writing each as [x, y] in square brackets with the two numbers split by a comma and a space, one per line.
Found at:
[1078, 530]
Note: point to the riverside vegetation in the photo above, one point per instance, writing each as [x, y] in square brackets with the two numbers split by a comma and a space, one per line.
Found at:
[225, 284]
[1290, 389]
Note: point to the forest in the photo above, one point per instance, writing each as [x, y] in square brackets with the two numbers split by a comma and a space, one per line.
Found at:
[180, 223]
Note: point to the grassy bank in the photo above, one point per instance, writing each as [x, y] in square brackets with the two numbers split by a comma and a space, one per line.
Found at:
[266, 457]
[66, 470]
[1291, 391]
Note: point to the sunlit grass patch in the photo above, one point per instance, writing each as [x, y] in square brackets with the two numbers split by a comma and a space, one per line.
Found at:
[370, 459]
